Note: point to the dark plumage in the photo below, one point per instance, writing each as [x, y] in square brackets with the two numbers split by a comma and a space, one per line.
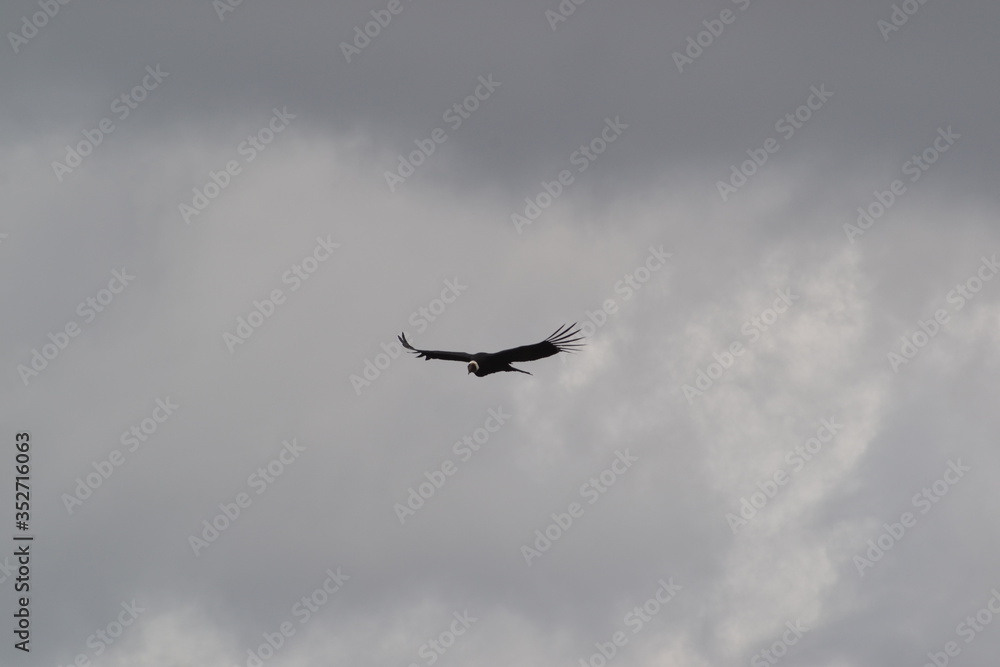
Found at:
[564, 339]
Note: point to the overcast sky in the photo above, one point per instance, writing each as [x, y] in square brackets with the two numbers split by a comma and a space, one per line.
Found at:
[777, 224]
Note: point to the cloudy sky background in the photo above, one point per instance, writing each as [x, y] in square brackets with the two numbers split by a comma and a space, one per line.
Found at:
[366, 446]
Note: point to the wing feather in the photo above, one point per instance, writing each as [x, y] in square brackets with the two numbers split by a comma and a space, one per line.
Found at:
[563, 339]
[434, 354]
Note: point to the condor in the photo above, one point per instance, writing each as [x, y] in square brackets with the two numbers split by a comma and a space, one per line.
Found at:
[564, 339]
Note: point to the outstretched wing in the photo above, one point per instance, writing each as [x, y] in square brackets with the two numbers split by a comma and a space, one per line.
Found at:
[434, 354]
[564, 339]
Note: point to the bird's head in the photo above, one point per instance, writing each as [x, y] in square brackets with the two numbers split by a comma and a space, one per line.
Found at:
[473, 366]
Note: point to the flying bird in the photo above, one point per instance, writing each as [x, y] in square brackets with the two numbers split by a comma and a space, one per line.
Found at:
[564, 339]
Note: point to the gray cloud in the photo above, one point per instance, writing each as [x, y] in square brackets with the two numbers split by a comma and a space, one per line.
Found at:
[262, 200]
